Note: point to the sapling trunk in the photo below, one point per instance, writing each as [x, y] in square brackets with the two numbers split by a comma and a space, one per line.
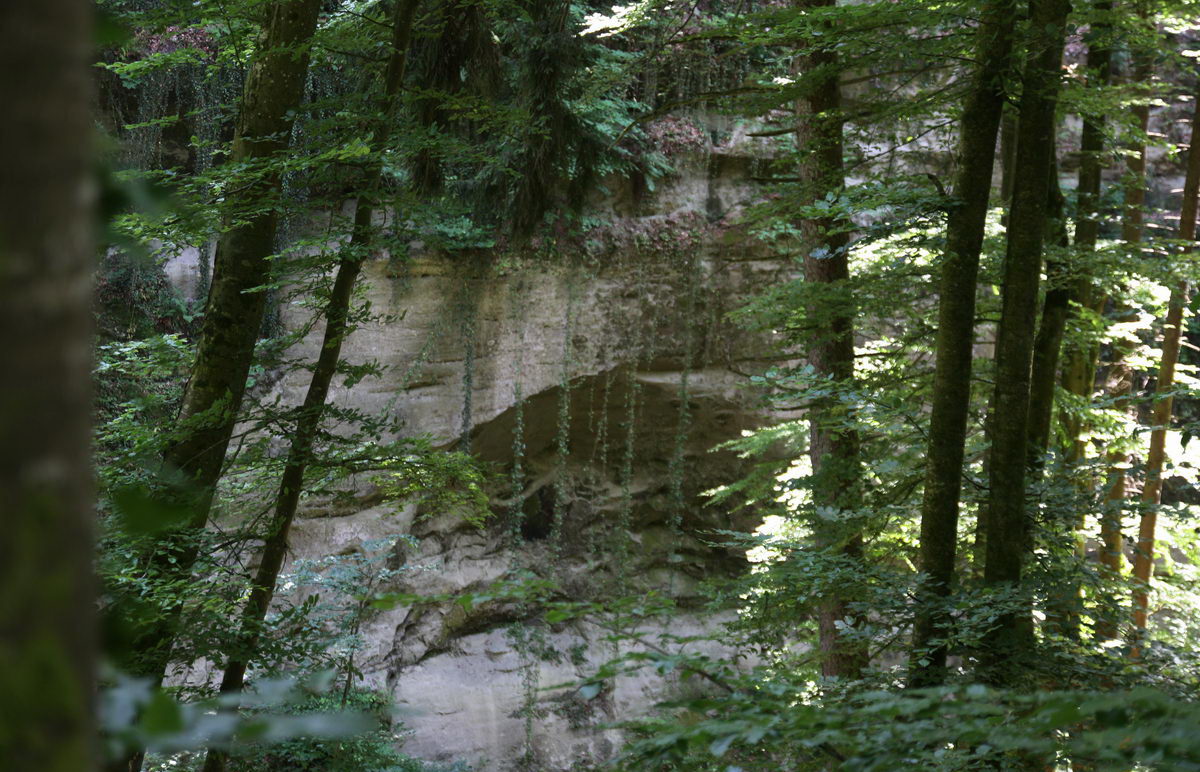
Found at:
[1143, 564]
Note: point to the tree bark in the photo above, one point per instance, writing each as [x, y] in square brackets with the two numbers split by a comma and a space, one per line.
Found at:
[1143, 564]
[47, 593]
[233, 314]
[1056, 307]
[955, 338]
[1079, 369]
[1066, 293]
[337, 313]
[1007, 527]
[234, 311]
[833, 448]
[1120, 378]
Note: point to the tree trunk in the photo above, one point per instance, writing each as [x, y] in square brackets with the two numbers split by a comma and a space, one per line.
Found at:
[1079, 371]
[1143, 564]
[1007, 527]
[1008, 145]
[833, 448]
[1133, 220]
[1079, 367]
[1056, 307]
[1120, 378]
[337, 313]
[47, 592]
[233, 315]
[956, 333]
[1119, 389]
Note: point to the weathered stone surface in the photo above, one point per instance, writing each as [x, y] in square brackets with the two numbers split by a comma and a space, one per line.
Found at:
[621, 373]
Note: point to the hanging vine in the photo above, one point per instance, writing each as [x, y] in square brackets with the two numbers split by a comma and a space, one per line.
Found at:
[562, 440]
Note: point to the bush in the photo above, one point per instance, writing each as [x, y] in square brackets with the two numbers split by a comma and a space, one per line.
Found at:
[372, 751]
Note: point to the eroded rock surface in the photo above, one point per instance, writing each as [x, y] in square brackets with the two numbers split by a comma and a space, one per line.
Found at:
[604, 379]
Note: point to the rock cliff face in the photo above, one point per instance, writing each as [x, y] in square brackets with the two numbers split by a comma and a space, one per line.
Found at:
[605, 378]
[596, 385]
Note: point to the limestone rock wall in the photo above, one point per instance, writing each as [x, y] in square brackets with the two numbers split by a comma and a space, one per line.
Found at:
[608, 376]
[620, 373]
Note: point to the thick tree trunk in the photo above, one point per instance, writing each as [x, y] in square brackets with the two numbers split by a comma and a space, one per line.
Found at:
[233, 315]
[337, 314]
[833, 448]
[234, 312]
[1007, 527]
[47, 593]
[1143, 564]
[956, 333]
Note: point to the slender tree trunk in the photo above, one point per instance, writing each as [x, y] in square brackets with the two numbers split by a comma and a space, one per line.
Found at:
[1056, 307]
[47, 592]
[233, 315]
[1143, 564]
[1133, 220]
[1079, 367]
[1008, 148]
[1121, 377]
[956, 333]
[1007, 526]
[337, 313]
[833, 448]
[1119, 389]
[1079, 371]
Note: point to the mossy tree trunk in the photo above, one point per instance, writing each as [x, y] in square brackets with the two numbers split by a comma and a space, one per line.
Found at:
[47, 592]
[233, 315]
[1011, 639]
[308, 419]
[955, 339]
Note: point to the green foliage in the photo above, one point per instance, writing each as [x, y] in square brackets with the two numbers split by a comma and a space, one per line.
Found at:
[442, 482]
[370, 751]
[767, 722]
[136, 714]
[513, 113]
